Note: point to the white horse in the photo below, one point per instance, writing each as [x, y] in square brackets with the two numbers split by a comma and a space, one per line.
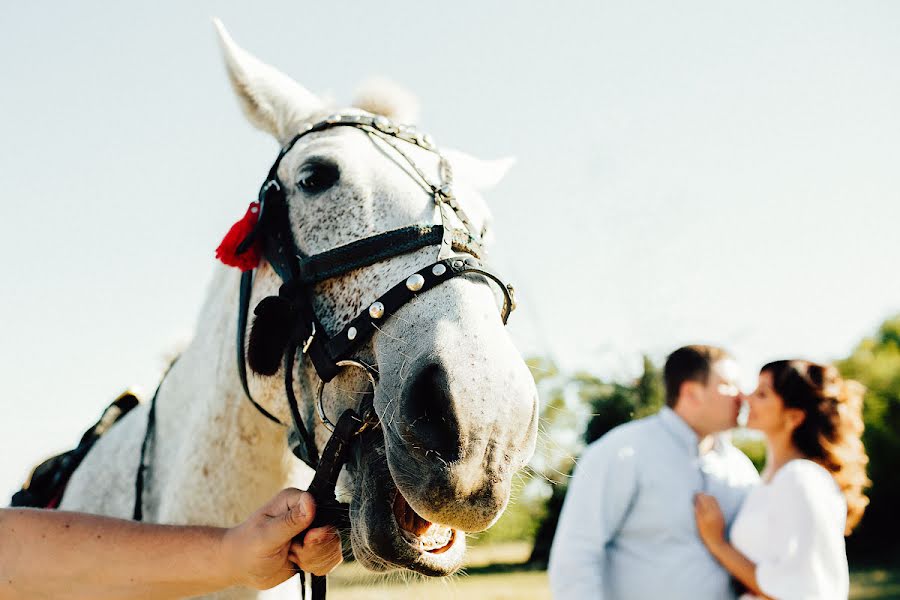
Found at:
[457, 404]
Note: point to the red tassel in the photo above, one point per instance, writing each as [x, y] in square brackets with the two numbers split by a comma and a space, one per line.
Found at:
[227, 250]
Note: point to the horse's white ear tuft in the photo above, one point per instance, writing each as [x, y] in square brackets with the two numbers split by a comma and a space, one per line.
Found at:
[383, 97]
[480, 174]
[271, 100]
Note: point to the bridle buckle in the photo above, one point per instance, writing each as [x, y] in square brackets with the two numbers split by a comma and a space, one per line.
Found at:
[309, 340]
[369, 418]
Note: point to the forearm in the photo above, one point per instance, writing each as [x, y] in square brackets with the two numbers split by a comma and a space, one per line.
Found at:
[55, 554]
[741, 567]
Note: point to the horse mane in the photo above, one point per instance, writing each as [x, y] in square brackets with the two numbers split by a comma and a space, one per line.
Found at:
[384, 97]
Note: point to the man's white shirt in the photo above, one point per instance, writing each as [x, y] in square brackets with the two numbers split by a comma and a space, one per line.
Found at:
[627, 528]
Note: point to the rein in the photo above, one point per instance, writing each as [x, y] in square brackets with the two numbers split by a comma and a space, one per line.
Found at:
[286, 325]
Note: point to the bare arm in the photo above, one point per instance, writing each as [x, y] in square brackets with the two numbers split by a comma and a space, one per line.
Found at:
[711, 526]
[54, 554]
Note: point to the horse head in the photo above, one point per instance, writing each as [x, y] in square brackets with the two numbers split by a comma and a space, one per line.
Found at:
[456, 404]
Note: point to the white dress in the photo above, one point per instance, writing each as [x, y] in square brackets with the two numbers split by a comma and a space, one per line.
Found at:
[792, 528]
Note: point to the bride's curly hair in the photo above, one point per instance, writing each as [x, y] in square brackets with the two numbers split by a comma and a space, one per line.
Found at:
[830, 433]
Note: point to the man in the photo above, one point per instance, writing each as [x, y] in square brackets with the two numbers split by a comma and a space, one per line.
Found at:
[57, 554]
[627, 527]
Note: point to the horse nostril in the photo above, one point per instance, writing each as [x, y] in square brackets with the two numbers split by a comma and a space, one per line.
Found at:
[431, 424]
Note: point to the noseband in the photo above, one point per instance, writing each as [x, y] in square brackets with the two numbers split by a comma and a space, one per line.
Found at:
[295, 329]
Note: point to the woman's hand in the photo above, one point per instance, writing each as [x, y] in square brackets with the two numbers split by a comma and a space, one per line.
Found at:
[262, 551]
[710, 521]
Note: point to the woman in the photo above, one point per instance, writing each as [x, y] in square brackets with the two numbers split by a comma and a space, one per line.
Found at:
[787, 541]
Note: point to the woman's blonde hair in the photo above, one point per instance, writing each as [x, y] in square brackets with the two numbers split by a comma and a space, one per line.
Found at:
[831, 431]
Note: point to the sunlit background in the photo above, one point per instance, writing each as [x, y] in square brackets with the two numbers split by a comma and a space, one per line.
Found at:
[690, 171]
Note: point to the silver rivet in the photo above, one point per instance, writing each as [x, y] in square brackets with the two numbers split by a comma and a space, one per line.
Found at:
[439, 269]
[254, 210]
[415, 282]
[334, 119]
[457, 264]
[351, 333]
[376, 310]
[471, 262]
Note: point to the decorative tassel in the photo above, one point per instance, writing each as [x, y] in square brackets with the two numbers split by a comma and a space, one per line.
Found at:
[227, 251]
[269, 335]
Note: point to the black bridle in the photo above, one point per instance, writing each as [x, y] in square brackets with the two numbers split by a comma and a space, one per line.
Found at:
[286, 325]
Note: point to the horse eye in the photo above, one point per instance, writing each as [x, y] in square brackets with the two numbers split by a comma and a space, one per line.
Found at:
[315, 177]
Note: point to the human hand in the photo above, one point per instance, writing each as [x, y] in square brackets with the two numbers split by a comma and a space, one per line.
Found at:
[710, 521]
[261, 551]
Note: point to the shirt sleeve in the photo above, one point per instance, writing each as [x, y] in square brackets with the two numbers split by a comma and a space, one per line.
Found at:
[600, 493]
[808, 555]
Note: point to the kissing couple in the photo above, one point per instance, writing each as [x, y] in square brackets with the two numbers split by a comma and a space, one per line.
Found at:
[666, 507]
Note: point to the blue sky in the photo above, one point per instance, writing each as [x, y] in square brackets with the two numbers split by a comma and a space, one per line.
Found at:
[721, 172]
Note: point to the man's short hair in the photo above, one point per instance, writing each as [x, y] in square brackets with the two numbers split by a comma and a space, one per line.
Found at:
[690, 363]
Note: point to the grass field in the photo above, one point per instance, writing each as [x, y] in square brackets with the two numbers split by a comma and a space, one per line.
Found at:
[491, 575]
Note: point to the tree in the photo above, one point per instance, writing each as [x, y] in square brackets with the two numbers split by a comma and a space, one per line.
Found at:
[875, 363]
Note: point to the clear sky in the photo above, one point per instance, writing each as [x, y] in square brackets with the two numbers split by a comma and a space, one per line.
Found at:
[714, 171]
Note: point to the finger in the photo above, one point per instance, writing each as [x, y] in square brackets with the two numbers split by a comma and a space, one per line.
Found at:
[321, 535]
[326, 564]
[317, 558]
[333, 563]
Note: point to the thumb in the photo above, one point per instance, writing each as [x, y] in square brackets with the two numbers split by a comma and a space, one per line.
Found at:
[299, 516]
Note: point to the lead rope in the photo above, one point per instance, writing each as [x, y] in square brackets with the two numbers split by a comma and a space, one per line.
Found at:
[324, 482]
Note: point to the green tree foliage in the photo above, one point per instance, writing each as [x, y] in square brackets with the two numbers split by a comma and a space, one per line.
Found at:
[875, 362]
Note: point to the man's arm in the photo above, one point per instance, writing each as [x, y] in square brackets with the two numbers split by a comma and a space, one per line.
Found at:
[55, 554]
[600, 492]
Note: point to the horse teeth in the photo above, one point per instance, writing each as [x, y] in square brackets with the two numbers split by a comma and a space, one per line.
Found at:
[420, 533]
[437, 536]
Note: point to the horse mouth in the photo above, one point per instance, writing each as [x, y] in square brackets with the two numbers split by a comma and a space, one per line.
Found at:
[387, 533]
[419, 533]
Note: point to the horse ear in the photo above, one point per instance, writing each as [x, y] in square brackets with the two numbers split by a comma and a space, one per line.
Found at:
[480, 174]
[271, 100]
[381, 96]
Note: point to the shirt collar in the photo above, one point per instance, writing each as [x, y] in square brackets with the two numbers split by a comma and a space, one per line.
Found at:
[684, 434]
[679, 429]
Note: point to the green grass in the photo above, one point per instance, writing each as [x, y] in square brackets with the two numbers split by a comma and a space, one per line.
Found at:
[492, 575]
